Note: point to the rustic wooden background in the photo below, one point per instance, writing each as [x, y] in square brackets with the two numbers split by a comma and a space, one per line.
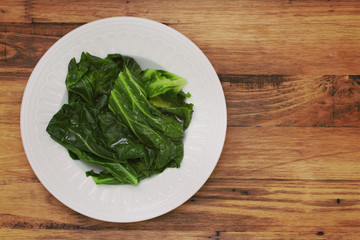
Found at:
[290, 166]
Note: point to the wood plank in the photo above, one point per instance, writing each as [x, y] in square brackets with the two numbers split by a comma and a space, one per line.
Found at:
[10, 113]
[290, 153]
[11, 92]
[283, 42]
[190, 11]
[15, 11]
[21, 52]
[268, 206]
[267, 180]
[104, 234]
[293, 38]
[10, 134]
[324, 101]
[188, 235]
[12, 87]
[39, 29]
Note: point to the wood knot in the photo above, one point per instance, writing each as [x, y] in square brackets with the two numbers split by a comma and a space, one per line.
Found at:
[7, 52]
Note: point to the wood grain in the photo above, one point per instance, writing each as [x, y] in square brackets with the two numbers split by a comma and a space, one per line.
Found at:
[13, 11]
[290, 164]
[248, 37]
[276, 100]
[268, 180]
[81, 234]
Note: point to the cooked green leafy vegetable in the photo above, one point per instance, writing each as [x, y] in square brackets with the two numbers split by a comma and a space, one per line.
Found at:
[174, 103]
[91, 77]
[124, 120]
[160, 81]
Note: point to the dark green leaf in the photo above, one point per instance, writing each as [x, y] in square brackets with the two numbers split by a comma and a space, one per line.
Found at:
[92, 77]
[174, 103]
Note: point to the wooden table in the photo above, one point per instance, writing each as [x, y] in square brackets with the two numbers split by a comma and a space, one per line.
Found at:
[290, 168]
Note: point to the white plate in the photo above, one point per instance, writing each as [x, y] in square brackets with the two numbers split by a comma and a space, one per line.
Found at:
[153, 45]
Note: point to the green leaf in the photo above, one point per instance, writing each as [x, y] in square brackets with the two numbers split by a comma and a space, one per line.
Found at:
[154, 129]
[103, 178]
[92, 77]
[160, 81]
[122, 172]
[76, 124]
[174, 103]
[118, 138]
[125, 61]
[129, 101]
